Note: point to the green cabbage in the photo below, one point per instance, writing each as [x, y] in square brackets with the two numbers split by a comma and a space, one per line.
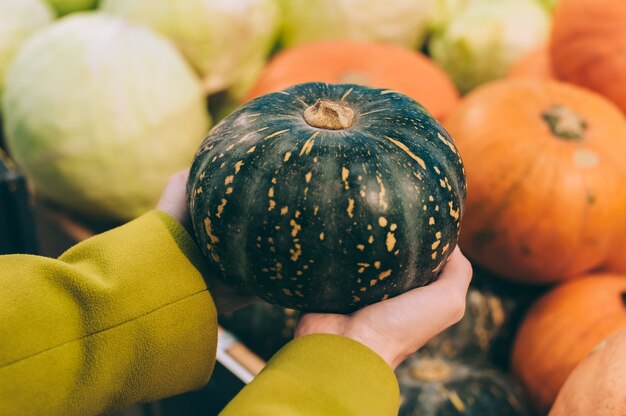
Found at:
[64, 7]
[222, 39]
[401, 22]
[481, 42]
[99, 113]
[19, 19]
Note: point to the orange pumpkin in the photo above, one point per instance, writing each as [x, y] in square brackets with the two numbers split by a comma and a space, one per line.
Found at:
[535, 64]
[597, 387]
[562, 328]
[545, 175]
[617, 258]
[588, 46]
[372, 64]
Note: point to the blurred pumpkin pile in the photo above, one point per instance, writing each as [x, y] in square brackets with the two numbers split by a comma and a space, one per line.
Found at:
[101, 105]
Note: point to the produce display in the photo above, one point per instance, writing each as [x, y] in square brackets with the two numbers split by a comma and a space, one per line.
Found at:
[399, 22]
[588, 44]
[327, 197]
[596, 387]
[365, 63]
[328, 182]
[543, 162]
[562, 328]
[535, 64]
[440, 387]
[99, 113]
[486, 38]
[63, 7]
[200, 29]
[19, 19]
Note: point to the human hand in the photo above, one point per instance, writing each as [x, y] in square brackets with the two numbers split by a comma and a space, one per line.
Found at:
[173, 202]
[397, 327]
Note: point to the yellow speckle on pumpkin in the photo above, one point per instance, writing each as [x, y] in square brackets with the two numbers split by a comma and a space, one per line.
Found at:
[435, 245]
[384, 275]
[220, 208]
[287, 156]
[402, 146]
[284, 210]
[308, 145]
[295, 227]
[390, 241]
[377, 265]
[229, 179]
[447, 143]
[453, 213]
[382, 221]
[350, 209]
[307, 177]
[361, 247]
[322, 236]
[275, 134]
[238, 166]
[209, 231]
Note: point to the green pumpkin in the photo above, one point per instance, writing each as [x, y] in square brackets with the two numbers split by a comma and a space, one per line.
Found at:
[494, 309]
[262, 327]
[441, 387]
[326, 197]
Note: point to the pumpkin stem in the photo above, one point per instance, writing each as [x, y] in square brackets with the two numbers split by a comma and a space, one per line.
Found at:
[330, 115]
[431, 369]
[564, 123]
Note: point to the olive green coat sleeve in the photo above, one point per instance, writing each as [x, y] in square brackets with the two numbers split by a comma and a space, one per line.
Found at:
[320, 375]
[126, 317]
[120, 318]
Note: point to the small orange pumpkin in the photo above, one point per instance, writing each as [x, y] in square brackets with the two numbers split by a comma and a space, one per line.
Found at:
[588, 46]
[597, 386]
[562, 328]
[535, 64]
[372, 64]
[545, 174]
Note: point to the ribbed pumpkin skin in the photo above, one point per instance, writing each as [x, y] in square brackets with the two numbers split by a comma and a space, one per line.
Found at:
[455, 388]
[366, 63]
[327, 220]
[542, 208]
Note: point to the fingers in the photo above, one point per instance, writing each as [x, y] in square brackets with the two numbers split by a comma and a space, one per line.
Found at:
[428, 310]
[173, 200]
[456, 275]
